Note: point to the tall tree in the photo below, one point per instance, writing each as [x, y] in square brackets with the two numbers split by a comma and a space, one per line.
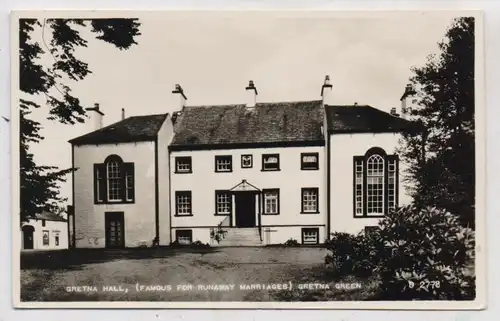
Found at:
[60, 37]
[442, 156]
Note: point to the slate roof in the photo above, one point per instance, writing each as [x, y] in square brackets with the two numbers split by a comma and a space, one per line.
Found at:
[280, 122]
[48, 216]
[131, 129]
[362, 119]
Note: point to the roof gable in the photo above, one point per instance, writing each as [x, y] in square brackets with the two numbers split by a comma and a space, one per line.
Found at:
[362, 119]
[236, 124]
[131, 129]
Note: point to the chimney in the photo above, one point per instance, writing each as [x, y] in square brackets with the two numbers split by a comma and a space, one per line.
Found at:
[180, 96]
[123, 113]
[394, 112]
[406, 104]
[97, 116]
[251, 94]
[326, 91]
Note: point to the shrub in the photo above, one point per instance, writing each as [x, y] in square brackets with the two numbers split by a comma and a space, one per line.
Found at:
[218, 235]
[415, 253]
[350, 254]
[424, 254]
[195, 244]
[291, 242]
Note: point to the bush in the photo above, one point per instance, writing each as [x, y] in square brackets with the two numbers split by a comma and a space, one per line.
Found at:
[291, 242]
[350, 254]
[424, 254]
[414, 253]
[195, 244]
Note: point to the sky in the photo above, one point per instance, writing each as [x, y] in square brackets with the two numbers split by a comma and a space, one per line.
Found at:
[213, 55]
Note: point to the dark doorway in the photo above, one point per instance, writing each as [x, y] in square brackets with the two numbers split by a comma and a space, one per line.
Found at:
[28, 237]
[245, 209]
[115, 226]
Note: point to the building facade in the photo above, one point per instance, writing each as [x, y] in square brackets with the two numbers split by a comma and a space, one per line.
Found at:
[45, 231]
[232, 175]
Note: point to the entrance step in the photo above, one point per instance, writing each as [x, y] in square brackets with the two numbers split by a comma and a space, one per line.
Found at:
[240, 237]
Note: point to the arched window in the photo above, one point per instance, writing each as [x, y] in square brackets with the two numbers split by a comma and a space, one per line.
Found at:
[114, 181]
[375, 183]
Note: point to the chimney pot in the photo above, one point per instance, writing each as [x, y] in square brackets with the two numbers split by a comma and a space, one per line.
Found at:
[123, 113]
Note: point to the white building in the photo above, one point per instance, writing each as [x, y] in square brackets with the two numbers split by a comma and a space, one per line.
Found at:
[246, 174]
[45, 231]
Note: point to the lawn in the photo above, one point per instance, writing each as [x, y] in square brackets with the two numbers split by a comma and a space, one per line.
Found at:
[181, 275]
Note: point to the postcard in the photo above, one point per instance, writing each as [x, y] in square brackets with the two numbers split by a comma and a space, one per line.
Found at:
[248, 159]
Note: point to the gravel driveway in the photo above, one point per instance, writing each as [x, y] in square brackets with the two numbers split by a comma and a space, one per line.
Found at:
[221, 274]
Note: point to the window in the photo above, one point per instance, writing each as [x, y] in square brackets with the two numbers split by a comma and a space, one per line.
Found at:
[246, 161]
[309, 161]
[114, 176]
[223, 201]
[375, 183]
[391, 183]
[43, 223]
[310, 235]
[223, 164]
[114, 181]
[100, 184]
[271, 162]
[271, 201]
[184, 237]
[56, 240]
[45, 238]
[358, 187]
[310, 200]
[183, 203]
[183, 165]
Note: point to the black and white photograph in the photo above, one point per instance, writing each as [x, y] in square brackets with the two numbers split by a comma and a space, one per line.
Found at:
[248, 159]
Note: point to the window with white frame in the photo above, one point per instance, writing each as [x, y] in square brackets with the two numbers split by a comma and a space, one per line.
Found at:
[223, 201]
[183, 203]
[114, 176]
[310, 200]
[375, 183]
[309, 161]
[358, 187]
[271, 201]
[224, 163]
[183, 164]
[184, 237]
[271, 162]
[391, 184]
[310, 235]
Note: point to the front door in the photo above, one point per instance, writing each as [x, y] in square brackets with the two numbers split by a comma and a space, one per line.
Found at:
[115, 235]
[28, 237]
[245, 209]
